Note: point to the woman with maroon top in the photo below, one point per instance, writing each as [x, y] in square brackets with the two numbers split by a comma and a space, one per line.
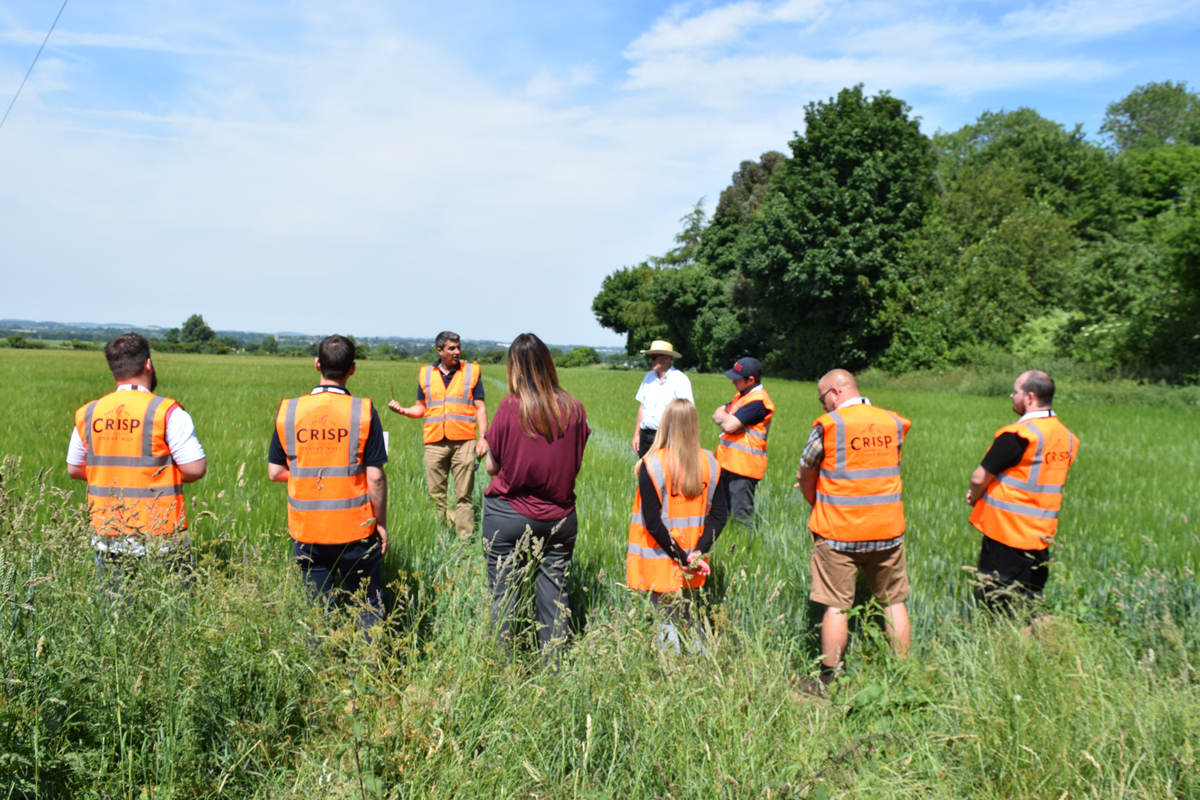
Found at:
[535, 449]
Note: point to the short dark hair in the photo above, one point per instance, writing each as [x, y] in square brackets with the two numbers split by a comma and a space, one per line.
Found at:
[1042, 386]
[127, 355]
[336, 355]
[446, 336]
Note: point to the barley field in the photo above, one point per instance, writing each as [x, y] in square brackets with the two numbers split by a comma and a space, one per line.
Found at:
[224, 682]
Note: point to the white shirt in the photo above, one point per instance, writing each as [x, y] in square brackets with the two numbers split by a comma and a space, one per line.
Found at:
[853, 401]
[655, 394]
[181, 436]
[1045, 412]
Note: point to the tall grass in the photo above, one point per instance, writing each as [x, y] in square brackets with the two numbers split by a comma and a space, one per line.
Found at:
[221, 681]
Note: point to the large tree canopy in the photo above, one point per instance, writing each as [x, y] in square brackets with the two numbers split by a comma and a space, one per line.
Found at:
[873, 245]
[826, 245]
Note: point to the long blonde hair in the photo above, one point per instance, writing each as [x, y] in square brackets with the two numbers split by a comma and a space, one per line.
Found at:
[533, 380]
[679, 434]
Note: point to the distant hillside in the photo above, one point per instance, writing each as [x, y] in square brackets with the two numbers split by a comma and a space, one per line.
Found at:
[103, 331]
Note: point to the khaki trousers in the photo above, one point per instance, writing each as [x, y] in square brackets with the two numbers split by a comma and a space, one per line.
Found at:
[443, 460]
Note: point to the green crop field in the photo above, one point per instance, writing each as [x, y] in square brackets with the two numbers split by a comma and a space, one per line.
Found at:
[235, 687]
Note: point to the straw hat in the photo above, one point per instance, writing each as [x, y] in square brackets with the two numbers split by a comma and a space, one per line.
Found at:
[660, 348]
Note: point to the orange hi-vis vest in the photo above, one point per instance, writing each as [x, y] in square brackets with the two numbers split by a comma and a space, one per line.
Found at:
[325, 436]
[1022, 503]
[647, 566]
[859, 494]
[134, 487]
[450, 410]
[745, 452]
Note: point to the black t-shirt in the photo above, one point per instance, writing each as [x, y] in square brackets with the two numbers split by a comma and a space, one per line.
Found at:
[374, 453]
[752, 413]
[1005, 453]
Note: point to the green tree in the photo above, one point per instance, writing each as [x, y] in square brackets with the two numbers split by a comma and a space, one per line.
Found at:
[270, 345]
[196, 331]
[989, 168]
[826, 246]
[709, 306]
[172, 335]
[580, 357]
[623, 305]
[1152, 115]
[1154, 180]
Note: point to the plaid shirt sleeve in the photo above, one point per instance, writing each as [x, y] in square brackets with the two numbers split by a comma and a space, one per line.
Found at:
[814, 449]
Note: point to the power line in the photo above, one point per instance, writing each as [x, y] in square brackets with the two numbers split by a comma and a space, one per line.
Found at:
[31, 66]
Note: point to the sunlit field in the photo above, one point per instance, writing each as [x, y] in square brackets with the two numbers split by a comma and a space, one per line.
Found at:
[235, 687]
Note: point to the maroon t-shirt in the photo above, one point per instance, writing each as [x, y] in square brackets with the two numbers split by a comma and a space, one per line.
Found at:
[536, 477]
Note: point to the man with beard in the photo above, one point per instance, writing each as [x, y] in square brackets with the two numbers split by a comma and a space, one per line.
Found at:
[1016, 493]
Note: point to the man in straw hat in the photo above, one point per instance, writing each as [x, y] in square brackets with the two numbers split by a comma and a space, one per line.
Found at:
[662, 384]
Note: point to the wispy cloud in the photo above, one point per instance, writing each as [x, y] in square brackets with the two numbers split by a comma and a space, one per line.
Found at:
[1091, 19]
[266, 162]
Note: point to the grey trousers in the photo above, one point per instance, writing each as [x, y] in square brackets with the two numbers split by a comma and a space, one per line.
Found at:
[741, 497]
[519, 549]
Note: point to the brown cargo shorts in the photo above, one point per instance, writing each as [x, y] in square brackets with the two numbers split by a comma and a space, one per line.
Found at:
[834, 574]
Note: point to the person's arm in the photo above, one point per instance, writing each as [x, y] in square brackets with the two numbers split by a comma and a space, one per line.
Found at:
[415, 411]
[193, 470]
[183, 445]
[277, 469]
[806, 482]
[481, 421]
[652, 519]
[77, 457]
[810, 464]
[1005, 453]
[637, 429]
[377, 489]
[717, 516]
[980, 479]
[726, 421]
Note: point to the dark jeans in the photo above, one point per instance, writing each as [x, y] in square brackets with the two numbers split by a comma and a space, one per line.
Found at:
[645, 439]
[741, 497]
[513, 554]
[1009, 573]
[353, 565]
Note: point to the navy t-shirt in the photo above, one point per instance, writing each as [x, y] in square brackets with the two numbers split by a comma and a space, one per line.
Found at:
[752, 413]
[374, 453]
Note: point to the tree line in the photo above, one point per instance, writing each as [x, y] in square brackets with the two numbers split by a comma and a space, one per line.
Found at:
[873, 244]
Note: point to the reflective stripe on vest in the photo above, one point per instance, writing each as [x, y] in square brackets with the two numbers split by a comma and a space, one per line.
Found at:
[745, 452]
[859, 492]
[450, 416]
[648, 567]
[352, 467]
[130, 489]
[328, 498]
[1018, 509]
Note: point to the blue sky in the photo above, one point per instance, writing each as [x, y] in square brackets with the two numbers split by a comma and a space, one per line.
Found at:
[402, 168]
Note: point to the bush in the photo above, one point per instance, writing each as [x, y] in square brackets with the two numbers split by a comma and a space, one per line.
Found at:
[579, 357]
[19, 342]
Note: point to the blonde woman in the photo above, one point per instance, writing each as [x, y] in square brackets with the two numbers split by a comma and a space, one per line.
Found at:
[679, 511]
[535, 450]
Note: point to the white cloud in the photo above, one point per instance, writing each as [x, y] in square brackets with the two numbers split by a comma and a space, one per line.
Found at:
[324, 168]
[1088, 19]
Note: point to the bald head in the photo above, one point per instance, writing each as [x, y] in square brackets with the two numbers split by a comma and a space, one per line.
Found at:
[840, 379]
[1040, 384]
[836, 387]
